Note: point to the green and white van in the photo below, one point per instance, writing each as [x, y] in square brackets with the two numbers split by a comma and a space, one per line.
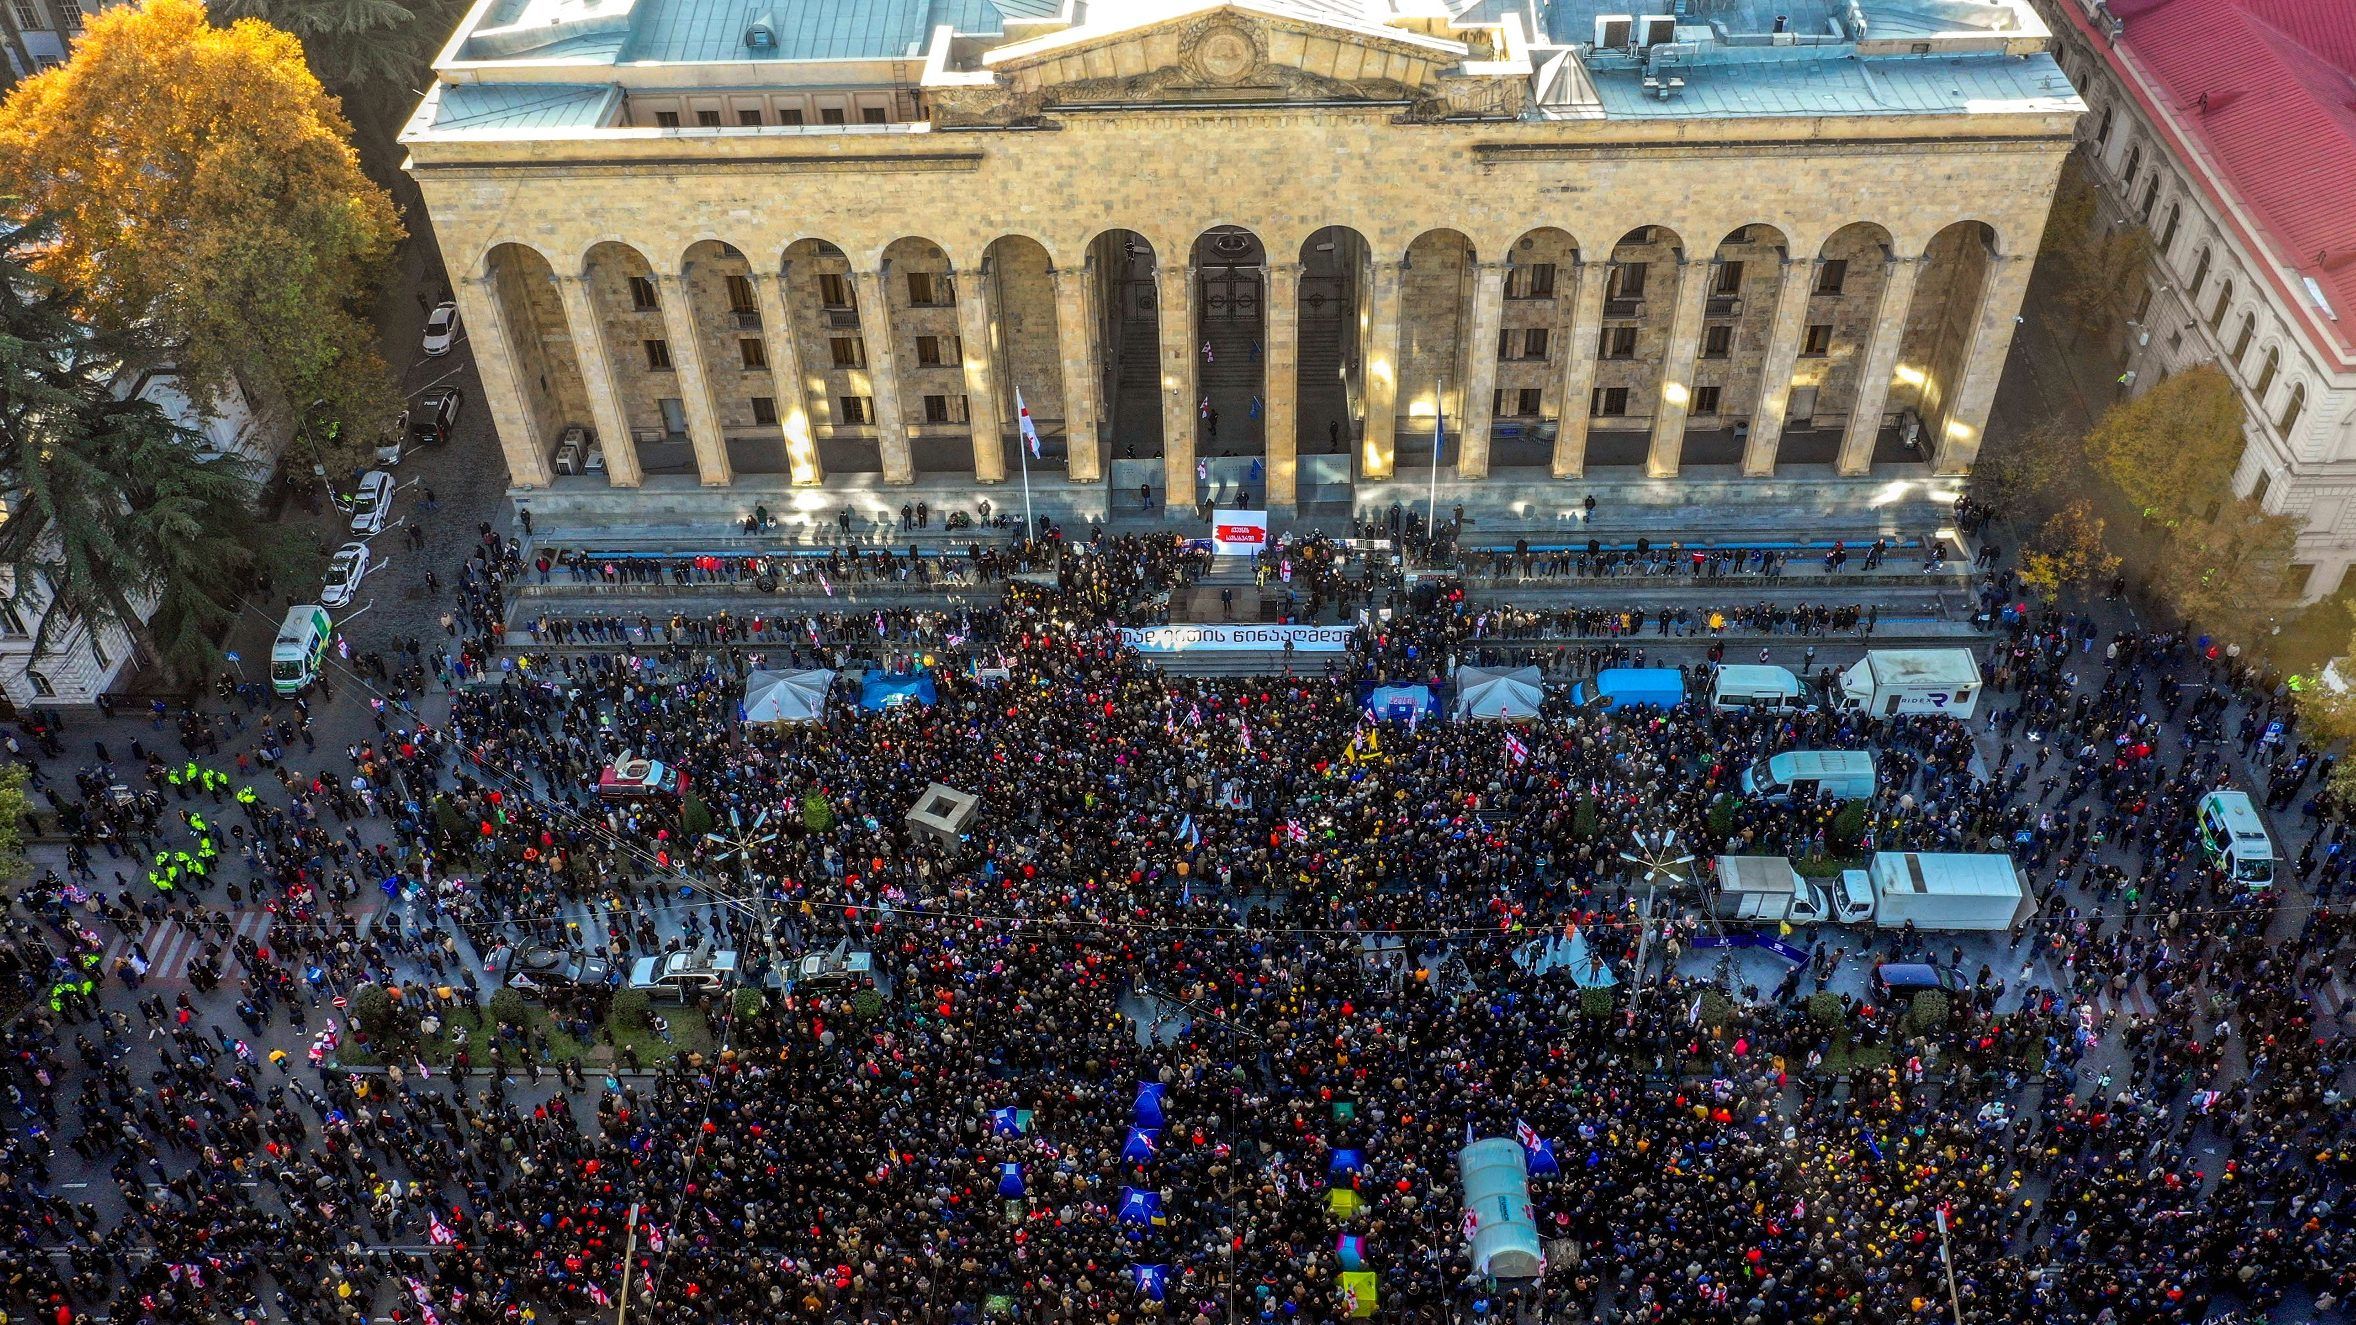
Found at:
[2234, 839]
[300, 649]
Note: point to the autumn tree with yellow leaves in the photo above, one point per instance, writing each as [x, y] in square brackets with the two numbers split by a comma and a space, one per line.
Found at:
[205, 194]
[2068, 552]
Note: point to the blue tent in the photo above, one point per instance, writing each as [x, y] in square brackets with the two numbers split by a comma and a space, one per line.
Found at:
[1151, 1280]
[1010, 1181]
[1398, 703]
[1139, 1206]
[1141, 1145]
[879, 689]
[1149, 1104]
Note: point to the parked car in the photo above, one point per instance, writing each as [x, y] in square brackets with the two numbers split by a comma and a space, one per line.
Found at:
[628, 779]
[684, 975]
[372, 505]
[441, 328]
[572, 971]
[1895, 980]
[344, 575]
[839, 967]
[434, 415]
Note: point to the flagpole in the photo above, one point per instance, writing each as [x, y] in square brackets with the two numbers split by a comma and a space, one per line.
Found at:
[629, 1253]
[1025, 430]
[1431, 505]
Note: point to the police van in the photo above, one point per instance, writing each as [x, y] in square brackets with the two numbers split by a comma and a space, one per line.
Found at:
[2234, 839]
[300, 649]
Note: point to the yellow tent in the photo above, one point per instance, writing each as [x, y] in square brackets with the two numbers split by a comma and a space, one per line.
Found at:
[1343, 1202]
[1358, 1292]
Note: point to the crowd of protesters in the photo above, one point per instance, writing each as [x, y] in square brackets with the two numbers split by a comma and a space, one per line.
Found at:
[1192, 1022]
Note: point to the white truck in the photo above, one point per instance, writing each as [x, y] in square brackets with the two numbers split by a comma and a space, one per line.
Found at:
[1944, 891]
[1766, 890]
[1894, 681]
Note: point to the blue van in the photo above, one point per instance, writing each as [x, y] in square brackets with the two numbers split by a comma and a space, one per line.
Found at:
[1620, 687]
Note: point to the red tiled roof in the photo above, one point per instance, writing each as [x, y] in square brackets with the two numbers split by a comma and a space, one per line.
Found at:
[2266, 89]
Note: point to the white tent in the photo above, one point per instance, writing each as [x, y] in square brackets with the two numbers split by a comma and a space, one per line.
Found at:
[1497, 695]
[786, 696]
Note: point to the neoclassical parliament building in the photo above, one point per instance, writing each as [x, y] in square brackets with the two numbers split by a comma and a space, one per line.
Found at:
[714, 253]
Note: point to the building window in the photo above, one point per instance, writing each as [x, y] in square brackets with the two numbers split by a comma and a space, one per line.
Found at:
[2259, 489]
[2224, 301]
[2102, 135]
[2142, 306]
[944, 409]
[707, 119]
[930, 289]
[666, 119]
[2151, 198]
[2168, 231]
[1729, 280]
[750, 119]
[1718, 341]
[928, 352]
[2266, 376]
[2134, 164]
[1819, 341]
[740, 294]
[2289, 418]
[658, 356]
[642, 294]
[41, 683]
[1705, 400]
[764, 411]
[790, 117]
[830, 115]
[28, 16]
[2242, 339]
[1532, 401]
[872, 114]
[1534, 341]
[834, 291]
[1831, 275]
[69, 13]
[858, 409]
[1535, 281]
[756, 354]
[1627, 281]
[2200, 275]
[11, 621]
[1618, 343]
[1609, 402]
[849, 351]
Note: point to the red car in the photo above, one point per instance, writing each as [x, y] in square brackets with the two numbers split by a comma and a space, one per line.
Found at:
[636, 779]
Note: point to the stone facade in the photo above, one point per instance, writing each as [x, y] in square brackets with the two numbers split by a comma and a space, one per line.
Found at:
[1033, 237]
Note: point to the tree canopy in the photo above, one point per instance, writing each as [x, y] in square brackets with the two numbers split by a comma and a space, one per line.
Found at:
[207, 194]
[2172, 450]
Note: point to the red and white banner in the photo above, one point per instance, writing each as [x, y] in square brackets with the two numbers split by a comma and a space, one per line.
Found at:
[1239, 533]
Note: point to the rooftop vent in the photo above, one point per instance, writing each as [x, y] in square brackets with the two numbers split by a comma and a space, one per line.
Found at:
[761, 33]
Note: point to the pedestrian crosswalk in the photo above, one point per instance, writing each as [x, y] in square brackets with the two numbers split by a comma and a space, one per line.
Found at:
[171, 946]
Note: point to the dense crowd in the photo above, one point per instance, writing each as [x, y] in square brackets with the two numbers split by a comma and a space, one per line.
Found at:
[1192, 1023]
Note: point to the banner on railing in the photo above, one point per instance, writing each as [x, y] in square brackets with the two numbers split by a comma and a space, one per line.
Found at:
[1215, 638]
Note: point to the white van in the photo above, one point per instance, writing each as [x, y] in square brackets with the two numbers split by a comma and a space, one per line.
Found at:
[2235, 840]
[1841, 775]
[1742, 686]
[300, 649]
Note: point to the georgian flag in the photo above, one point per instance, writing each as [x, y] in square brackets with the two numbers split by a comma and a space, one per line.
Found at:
[1525, 1134]
[1515, 749]
[1022, 418]
[437, 1232]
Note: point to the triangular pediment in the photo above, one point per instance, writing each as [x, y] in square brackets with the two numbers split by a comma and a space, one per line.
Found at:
[1274, 50]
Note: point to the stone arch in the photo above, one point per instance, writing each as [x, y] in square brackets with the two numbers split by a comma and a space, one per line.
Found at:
[824, 317]
[723, 305]
[1229, 310]
[2269, 372]
[1125, 270]
[624, 288]
[1939, 328]
[1746, 273]
[2223, 306]
[522, 283]
[2294, 405]
[1632, 343]
[1017, 272]
[920, 335]
[1851, 268]
[1541, 282]
[1435, 300]
[1331, 330]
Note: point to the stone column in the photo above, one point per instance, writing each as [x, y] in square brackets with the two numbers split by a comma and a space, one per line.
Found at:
[1957, 442]
[984, 412]
[1378, 449]
[1784, 332]
[1174, 304]
[523, 435]
[883, 378]
[1480, 369]
[784, 348]
[1075, 339]
[1674, 398]
[1282, 416]
[1580, 343]
[695, 384]
[1878, 362]
[587, 328]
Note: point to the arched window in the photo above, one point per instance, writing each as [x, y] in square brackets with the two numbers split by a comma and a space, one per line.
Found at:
[2266, 376]
[2168, 231]
[2224, 301]
[2242, 338]
[2291, 410]
[2151, 198]
[2200, 275]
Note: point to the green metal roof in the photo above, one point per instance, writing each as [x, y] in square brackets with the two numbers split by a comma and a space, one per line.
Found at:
[525, 105]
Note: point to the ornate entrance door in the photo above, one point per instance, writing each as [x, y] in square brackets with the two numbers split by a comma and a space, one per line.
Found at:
[1231, 293]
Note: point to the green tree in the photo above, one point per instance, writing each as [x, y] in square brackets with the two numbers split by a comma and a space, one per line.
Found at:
[2172, 450]
[631, 1008]
[116, 519]
[2068, 552]
[207, 194]
[2230, 576]
[355, 46]
[13, 807]
[1928, 1011]
[508, 1008]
